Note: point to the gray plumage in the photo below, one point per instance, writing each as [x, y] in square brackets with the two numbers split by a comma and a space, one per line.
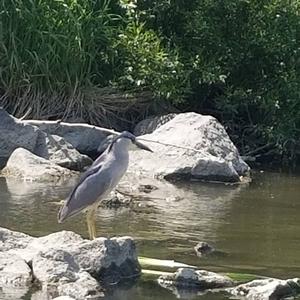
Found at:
[100, 179]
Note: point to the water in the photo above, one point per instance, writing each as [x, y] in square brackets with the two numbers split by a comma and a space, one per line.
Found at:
[255, 227]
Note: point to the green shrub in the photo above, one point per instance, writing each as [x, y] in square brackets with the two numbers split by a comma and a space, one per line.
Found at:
[243, 61]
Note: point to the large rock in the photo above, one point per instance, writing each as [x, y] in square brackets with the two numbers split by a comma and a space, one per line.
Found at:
[27, 166]
[267, 289]
[57, 150]
[67, 265]
[85, 138]
[15, 134]
[112, 259]
[207, 153]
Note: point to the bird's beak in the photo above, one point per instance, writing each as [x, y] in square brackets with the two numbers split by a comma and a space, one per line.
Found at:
[142, 146]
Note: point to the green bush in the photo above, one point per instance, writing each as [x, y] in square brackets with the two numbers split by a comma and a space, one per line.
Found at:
[237, 60]
[243, 61]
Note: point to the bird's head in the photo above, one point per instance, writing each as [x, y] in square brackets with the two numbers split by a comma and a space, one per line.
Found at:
[126, 139]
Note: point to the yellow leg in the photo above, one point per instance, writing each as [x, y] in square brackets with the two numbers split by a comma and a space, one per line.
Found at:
[91, 223]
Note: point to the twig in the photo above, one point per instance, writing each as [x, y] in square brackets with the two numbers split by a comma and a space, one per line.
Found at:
[26, 114]
[171, 145]
[251, 153]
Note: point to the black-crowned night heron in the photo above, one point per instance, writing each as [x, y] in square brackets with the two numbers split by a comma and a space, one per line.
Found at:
[99, 180]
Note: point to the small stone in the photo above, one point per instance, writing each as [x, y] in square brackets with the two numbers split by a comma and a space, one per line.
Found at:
[186, 278]
[203, 248]
[57, 150]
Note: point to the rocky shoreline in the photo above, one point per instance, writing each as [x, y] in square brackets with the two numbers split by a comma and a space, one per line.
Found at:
[63, 264]
[187, 146]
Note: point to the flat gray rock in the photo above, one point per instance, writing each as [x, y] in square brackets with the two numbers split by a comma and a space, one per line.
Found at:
[214, 158]
[27, 166]
[86, 139]
[186, 278]
[267, 289]
[186, 282]
[57, 150]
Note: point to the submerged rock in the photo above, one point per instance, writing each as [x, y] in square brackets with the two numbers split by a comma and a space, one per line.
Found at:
[57, 150]
[85, 138]
[203, 248]
[190, 279]
[27, 166]
[267, 289]
[214, 158]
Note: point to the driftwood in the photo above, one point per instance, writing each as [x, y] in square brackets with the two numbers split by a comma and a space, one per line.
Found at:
[59, 122]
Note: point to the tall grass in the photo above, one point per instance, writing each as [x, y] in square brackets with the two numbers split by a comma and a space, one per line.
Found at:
[53, 48]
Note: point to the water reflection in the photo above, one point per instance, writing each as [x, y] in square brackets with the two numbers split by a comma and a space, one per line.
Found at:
[256, 225]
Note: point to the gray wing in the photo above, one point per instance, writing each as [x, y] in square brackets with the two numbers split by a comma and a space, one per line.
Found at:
[90, 187]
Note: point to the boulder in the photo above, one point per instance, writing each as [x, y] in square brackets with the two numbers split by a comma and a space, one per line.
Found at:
[267, 289]
[207, 153]
[14, 272]
[27, 166]
[15, 134]
[67, 265]
[83, 137]
[57, 150]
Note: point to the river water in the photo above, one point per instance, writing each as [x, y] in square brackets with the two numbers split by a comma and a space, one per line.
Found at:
[255, 227]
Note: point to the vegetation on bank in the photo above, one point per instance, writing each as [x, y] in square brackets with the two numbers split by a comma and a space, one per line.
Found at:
[237, 60]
